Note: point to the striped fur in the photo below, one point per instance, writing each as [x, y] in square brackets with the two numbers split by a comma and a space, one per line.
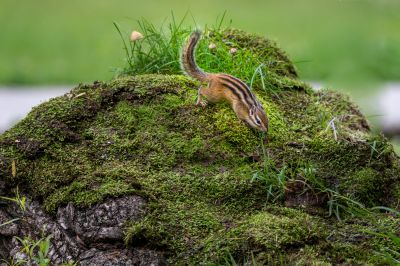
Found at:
[241, 88]
[188, 60]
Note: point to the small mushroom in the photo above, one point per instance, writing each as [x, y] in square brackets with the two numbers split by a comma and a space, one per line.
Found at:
[233, 51]
[135, 35]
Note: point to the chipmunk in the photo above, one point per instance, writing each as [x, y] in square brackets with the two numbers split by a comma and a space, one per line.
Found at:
[224, 87]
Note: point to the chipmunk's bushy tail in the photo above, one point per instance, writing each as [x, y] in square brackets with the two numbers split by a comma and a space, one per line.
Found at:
[188, 61]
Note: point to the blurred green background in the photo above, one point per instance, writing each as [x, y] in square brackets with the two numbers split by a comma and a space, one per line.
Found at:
[347, 43]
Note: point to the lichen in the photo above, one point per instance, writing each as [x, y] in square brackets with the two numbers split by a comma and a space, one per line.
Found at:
[195, 166]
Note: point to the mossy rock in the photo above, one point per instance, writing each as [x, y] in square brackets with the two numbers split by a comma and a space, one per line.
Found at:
[205, 175]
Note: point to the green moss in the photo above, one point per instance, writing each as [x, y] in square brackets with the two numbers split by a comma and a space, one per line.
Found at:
[396, 192]
[110, 179]
[233, 129]
[276, 232]
[197, 166]
[363, 185]
[278, 128]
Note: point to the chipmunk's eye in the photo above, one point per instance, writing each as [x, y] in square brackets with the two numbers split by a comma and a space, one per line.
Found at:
[258, 122]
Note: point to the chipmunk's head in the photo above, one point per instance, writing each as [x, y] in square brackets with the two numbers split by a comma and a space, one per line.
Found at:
[258, 119]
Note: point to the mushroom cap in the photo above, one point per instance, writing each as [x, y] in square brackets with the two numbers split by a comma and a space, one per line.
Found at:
[135, 35]
[233, 51]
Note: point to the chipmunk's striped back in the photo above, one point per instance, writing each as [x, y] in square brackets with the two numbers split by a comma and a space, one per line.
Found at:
[224, 87]
[240, 89]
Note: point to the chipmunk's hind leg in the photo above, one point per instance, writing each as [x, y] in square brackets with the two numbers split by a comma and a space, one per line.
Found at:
[200, 101]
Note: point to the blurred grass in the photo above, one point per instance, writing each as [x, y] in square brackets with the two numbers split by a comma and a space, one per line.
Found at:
[339, 42]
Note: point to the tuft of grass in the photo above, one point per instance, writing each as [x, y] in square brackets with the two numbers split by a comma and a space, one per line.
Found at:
[18, 199]
[159, 52]
[272, 178]
[36, 250]
[337, 204]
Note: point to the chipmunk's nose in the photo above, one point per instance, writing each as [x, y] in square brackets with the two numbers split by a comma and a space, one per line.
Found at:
[264, 128]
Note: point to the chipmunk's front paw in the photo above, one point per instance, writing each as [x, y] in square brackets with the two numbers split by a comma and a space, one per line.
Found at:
[201, 103]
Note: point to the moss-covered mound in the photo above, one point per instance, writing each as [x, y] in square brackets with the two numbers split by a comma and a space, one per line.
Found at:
[217, 191]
